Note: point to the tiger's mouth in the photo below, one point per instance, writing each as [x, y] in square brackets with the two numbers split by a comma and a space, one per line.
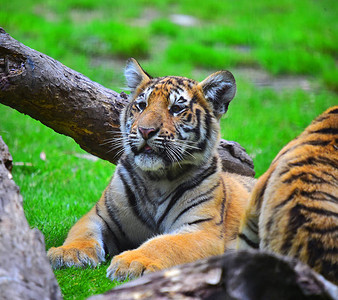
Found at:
[146, 149]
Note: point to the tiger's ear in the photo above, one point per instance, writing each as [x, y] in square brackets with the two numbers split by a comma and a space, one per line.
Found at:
[219, 88]
[134, 74]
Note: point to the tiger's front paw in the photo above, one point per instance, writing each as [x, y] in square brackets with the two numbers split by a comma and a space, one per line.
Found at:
[131, 264]
[78, 254]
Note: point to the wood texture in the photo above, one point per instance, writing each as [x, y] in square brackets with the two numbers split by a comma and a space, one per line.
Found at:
[247, 275]
[25, 272]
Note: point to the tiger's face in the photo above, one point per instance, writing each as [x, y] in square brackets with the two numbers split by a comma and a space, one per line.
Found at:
[173, 121]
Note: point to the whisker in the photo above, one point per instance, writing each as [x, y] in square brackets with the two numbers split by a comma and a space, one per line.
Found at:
[187, 152]
[173, 155]
[113, 141]
[185, 143]
[118, 153]
[176, 152]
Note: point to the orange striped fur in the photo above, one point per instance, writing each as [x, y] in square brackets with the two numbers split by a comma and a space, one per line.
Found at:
[293, 209]
[169, 202]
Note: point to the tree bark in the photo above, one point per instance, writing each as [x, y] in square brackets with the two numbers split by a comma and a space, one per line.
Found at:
[61, 98]
[71, 104]
[240, 275]
[25, 272]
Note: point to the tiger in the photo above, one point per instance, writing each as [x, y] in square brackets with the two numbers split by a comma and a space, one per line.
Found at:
[293, 209]
[169, 202]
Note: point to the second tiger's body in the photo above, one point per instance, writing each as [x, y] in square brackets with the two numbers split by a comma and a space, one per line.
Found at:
[293, 208]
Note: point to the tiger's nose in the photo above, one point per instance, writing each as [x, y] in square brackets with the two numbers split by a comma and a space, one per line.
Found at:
[147, 133]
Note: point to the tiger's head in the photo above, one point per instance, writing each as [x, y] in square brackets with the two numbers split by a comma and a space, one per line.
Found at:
[172, 121]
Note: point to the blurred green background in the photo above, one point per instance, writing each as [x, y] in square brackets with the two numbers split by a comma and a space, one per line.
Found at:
[282, 53]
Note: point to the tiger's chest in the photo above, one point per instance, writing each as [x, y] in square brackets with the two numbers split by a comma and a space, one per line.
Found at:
[162, 206]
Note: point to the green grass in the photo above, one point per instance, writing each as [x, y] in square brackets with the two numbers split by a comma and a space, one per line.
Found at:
[283, 38]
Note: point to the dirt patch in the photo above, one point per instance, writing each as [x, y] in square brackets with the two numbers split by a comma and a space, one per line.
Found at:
[148, 15]
[83, 16]
[184, 20]
[49, 15]
[108, 63]
[263, 79]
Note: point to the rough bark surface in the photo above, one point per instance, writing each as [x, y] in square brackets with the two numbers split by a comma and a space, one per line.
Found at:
[61, 98]
[25, 272]
[71, 104]
[239, 275]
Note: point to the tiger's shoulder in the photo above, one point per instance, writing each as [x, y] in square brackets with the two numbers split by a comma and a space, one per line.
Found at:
[293, 209]
[314, 149]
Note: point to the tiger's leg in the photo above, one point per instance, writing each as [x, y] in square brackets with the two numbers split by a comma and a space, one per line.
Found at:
[248, 233]
[86, 242]
[165, 251]
[248, 236]
[83, 246]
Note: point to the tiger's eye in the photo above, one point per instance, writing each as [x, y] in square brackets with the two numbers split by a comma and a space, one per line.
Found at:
[176, 109]
[141, 105]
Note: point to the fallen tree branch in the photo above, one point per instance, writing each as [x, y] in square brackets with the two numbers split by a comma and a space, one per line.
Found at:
[25, 272]
[61, 98]
[71, 104]
[240, 275]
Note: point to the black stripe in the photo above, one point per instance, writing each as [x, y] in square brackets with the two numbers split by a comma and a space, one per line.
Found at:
[312, 143]
[316, 143]
[294, 193]
[333, 111]
[252, 226]
[208, 192]
[321, 230]
[141, 193]
[296, 220]
[197, 130]
[202, 144]
[329, 269]
[132, 201]
[186, 129]
[299, 249]
[310, 195]
[315, 161]
[186, 186]
[193, 101]
[250, 243]
[316, 251]
[320, 119]
[224, 201]
[317, 211]
[306, 177]
[316, 196]
[190, 207]
[113, 217]
[207, 120]
[328, 130]
[112, 235]
[262, 191]
[137, 181]
[332, 176]
[200, 221]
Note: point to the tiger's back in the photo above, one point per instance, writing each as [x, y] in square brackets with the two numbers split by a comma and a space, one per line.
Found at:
[293, 210]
